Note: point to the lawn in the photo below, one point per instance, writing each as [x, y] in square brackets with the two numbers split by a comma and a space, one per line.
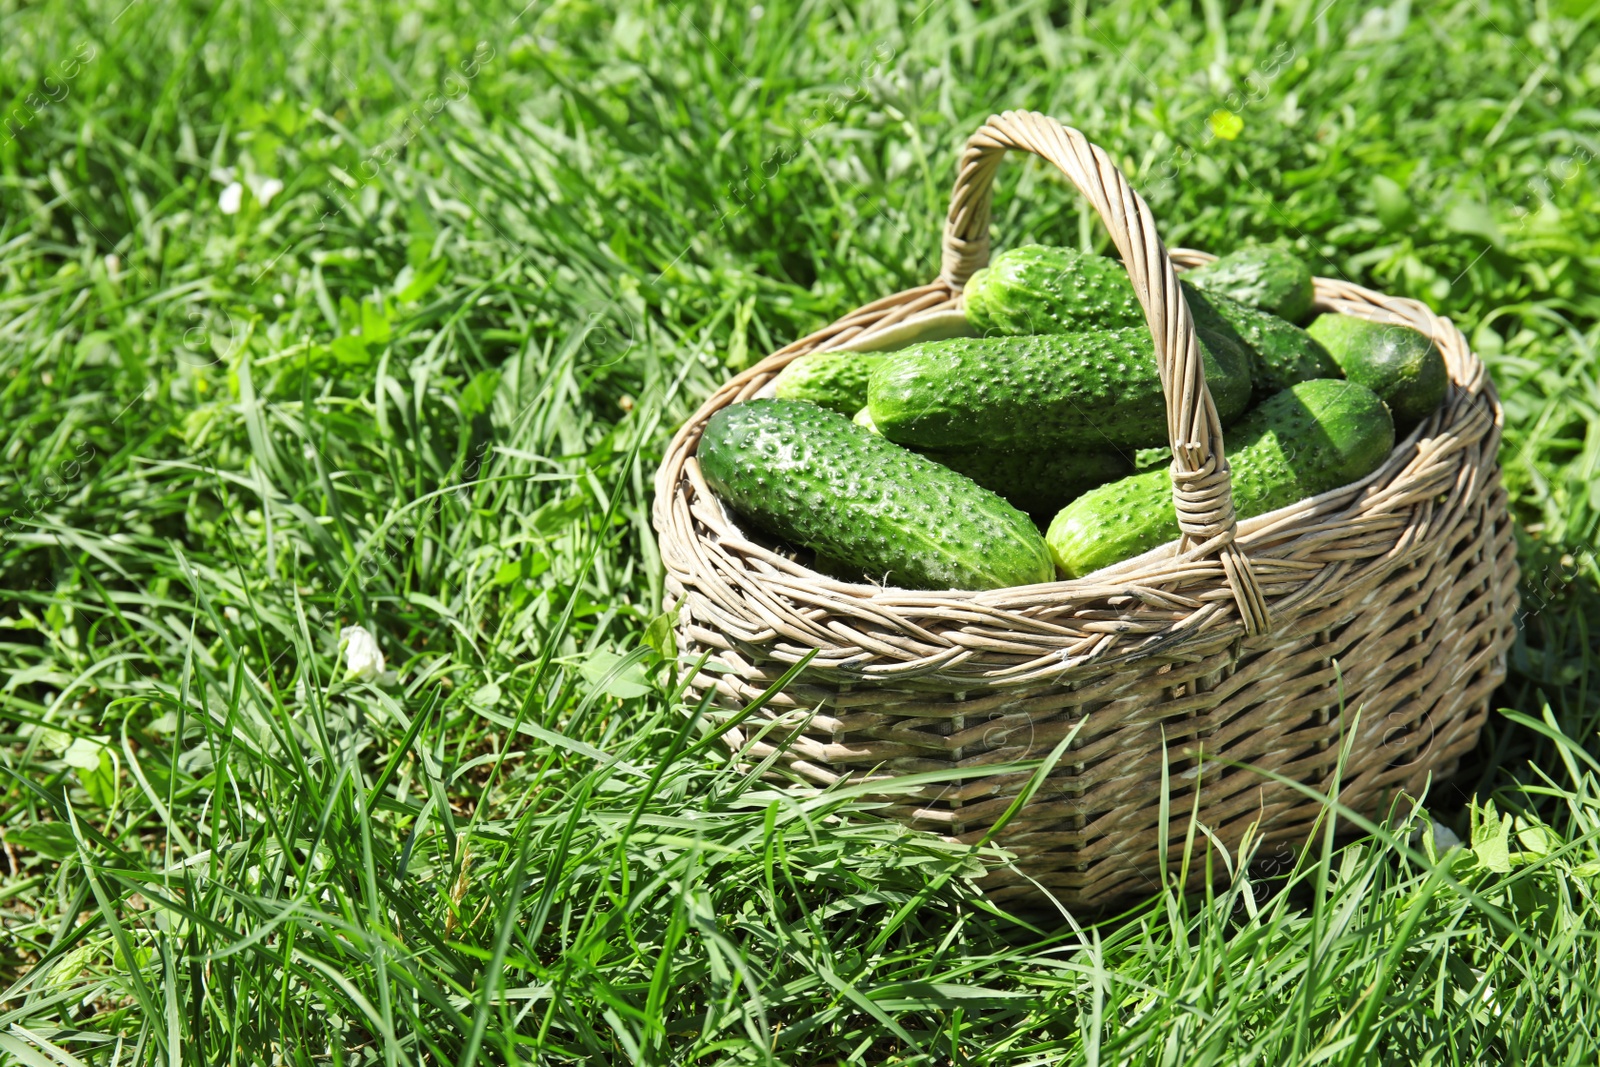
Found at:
[381, 315]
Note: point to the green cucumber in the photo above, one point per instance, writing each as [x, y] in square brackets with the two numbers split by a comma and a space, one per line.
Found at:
[815, 479]
[1041, 289]
[864, 420]
[1396, 362]
[1036, 289]
[1272, 279]
[1037, 481]
[1097, 390]
[834, 380]
[1284, 353]
[1308, 439]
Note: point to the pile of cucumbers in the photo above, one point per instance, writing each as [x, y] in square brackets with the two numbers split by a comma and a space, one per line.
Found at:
[937, 466]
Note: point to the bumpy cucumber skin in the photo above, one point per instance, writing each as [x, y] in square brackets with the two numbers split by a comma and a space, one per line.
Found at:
[1036, 289]
[1274, 280]
[1040, 289]
[1037, 481]
[1396, 362]
[1308, 439]
[1283, 353]
[1099, 390]
[834, 380]
[816, 479]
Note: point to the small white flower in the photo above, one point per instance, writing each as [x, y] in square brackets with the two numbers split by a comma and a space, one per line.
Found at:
[265, 189]
[1489, 997]
[230, 199]
[362, 659]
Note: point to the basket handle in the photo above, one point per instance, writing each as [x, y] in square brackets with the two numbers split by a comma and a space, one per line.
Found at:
[1201, 488]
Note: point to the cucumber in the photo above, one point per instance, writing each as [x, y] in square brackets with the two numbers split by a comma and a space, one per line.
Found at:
[1284, 353]
[1266, 277]
[834, 380]
[864, 420]
[1038, 482]
[1396, 362]
[1098, 390]
[1308, 439]
[815, 479]
[1040, 289]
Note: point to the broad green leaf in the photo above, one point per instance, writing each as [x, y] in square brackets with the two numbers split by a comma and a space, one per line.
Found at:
[1391, 203]
[525, 567]
[661, 634]
[1473, 218]
[557, 515]
[418, 283]
[1539, 840]
[628, 682]
[374, 322]
[52, 840]
[479, 393]
[350, 350]
[1491, 837]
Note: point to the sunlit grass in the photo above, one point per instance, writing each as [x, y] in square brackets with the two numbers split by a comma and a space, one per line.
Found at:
[423, 389]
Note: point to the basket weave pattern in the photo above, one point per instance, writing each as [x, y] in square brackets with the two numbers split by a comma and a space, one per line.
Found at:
[1375, 617]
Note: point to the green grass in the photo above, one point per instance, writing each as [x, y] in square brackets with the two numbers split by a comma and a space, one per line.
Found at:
[424, 390]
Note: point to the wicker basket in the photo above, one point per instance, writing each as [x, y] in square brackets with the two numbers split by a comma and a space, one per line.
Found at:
[1373, 619]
